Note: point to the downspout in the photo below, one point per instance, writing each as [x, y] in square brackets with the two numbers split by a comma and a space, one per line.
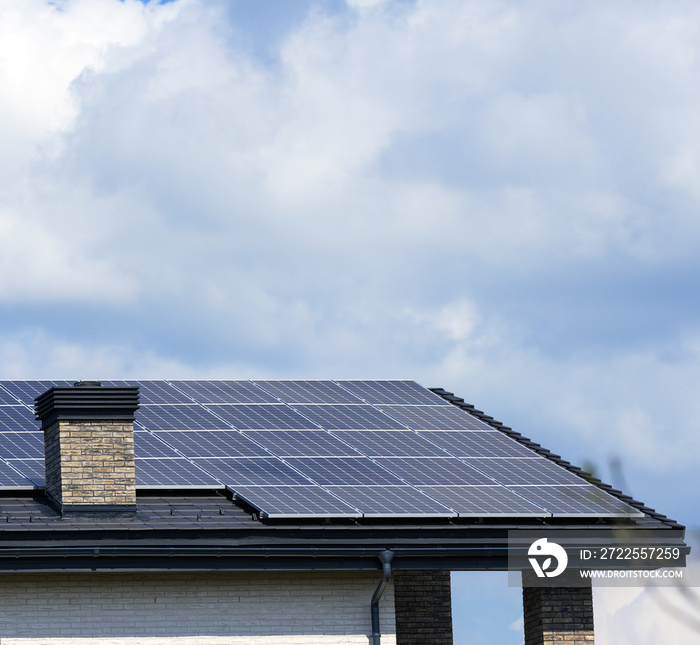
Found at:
[386, 557]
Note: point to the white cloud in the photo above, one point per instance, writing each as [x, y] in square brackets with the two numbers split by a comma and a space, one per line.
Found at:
[34, 352]
[160, 98]
[46, 266]
[44, 48]
[365, 4]
[632, 615]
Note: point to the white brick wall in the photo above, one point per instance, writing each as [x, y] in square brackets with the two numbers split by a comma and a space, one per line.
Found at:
[290, 608]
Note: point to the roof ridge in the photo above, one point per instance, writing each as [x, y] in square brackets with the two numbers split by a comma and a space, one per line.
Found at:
[557, 459]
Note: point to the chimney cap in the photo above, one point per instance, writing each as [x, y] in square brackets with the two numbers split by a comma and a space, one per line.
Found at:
[87, 403]
[82, 383]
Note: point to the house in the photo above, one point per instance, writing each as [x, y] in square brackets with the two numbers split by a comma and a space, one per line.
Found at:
[281, 512]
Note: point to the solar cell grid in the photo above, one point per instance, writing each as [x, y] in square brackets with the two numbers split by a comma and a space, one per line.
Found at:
[477, 443]
[27, 391]
[32, 469]
[434, 417]
[176, 473]
[484, 500]
[153, 392]
[147, 445]
[261, 417]
[22, 445]
[339, 471]
[308, 392]
[252, 471]
[295, 501]
[5, 397]
[224, 392]
[383, 501]
[583, 500]
[387, 392]
[10, 478]
[537, 470]
[242, 460]
[212, 443]
[435, 471]
[301, 443]
[17, 418]
[390, 443]
[347, 417]
[178, 417]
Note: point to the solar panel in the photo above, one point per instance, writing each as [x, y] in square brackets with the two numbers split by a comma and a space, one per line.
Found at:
[252, 471]
[33, 469]
[478, 501]
[178, 473]
[213, 443]
[260, 417]
[10, 478]
[536, 470]
[17, 418]
[153, 392]
[391, 501]
[435, 417]
[433, 471]
[295, 501]
[224, 392]
[387, 392]
[29, 445]
[301, 443]
[338, 471]
[178, 417]
[475, 443]
[148, 445]
[27, 391]
[329, 448]
[390, 443]
[6, 398]
[308, 392]
[577, 501]
[347, 417]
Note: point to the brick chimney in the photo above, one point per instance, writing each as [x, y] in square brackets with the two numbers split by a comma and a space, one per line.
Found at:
[89, 448]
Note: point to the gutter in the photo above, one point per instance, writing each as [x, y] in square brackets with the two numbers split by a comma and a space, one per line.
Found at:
[153, 557]
[98, 557]
[96, 549]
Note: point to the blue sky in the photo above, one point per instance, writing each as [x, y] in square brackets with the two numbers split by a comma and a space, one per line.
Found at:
[495, 198]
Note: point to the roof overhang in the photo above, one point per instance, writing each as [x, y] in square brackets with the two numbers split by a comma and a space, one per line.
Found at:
[485, 548]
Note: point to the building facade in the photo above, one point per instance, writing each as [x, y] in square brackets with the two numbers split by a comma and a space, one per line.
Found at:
[95, 548]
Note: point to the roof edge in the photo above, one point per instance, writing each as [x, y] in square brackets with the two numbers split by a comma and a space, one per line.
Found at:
[557, 459]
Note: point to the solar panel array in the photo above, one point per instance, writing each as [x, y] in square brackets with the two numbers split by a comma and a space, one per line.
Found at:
[320, 449]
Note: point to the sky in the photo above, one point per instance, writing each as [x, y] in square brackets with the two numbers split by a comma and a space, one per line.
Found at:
[494, 197]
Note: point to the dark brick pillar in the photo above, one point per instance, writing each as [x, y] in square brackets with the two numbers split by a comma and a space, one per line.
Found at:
[423, 604]
[558, 615]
